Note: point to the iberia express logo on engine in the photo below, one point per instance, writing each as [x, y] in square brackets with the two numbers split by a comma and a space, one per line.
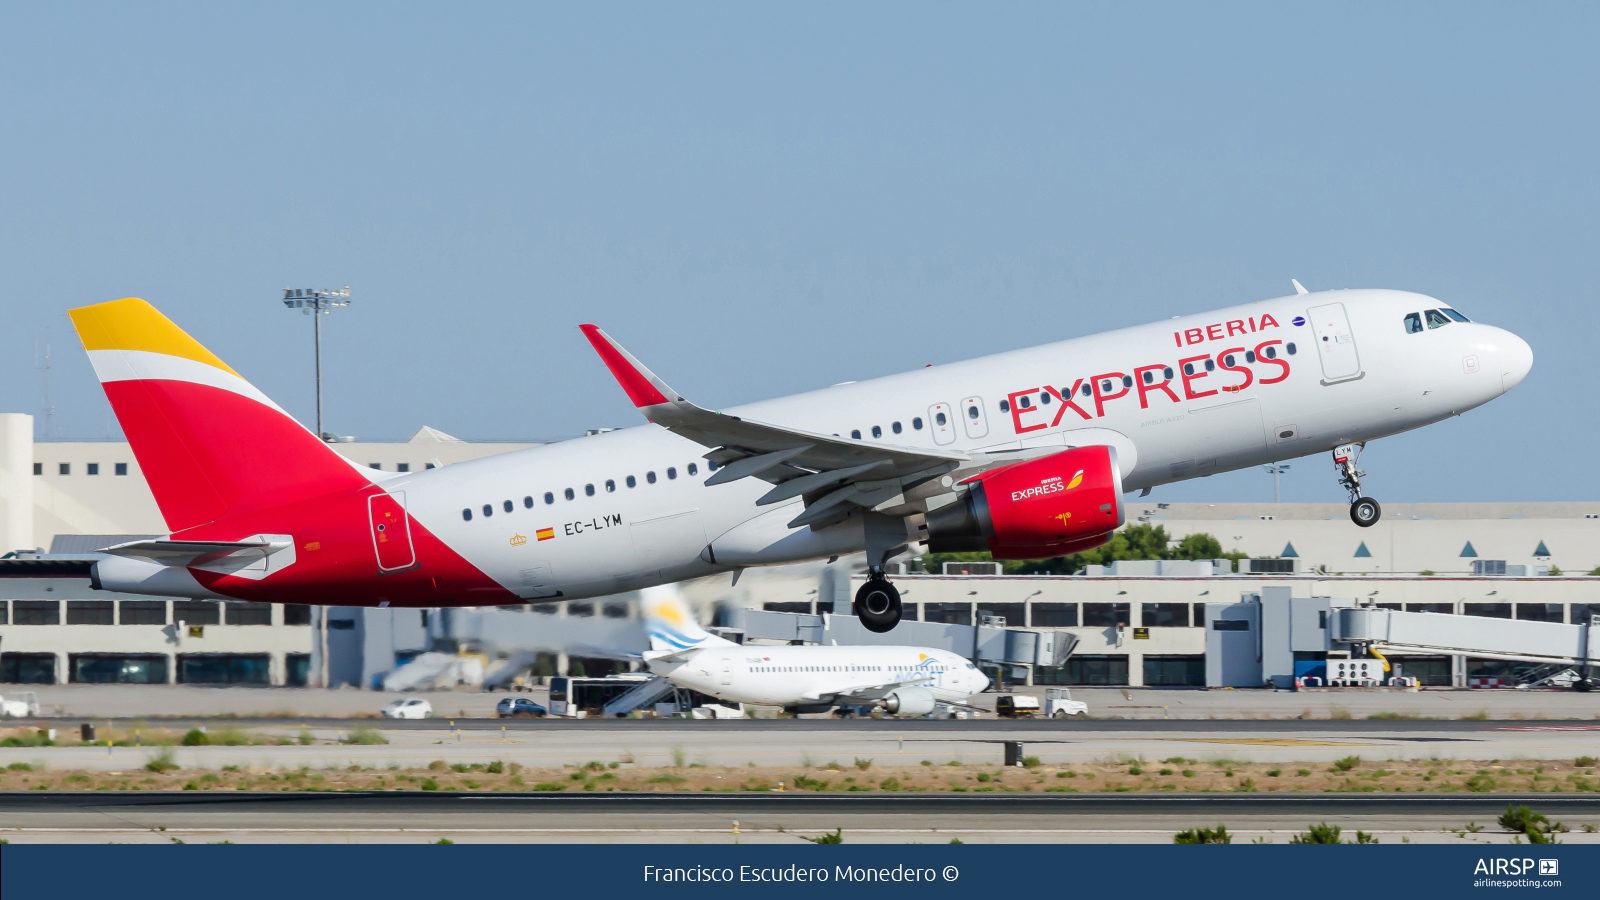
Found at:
[1051, 485]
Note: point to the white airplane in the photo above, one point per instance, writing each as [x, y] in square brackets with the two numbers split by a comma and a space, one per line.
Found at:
[909, 681]
[1026, 454]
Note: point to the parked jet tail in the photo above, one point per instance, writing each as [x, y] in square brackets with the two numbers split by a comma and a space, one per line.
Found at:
[671, 624]
[210, 444]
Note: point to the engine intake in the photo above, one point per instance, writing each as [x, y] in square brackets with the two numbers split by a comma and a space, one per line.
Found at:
[910, 701]
[1056, 505]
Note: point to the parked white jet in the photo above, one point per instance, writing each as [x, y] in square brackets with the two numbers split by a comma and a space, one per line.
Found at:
[1024, 454]
[908, 681]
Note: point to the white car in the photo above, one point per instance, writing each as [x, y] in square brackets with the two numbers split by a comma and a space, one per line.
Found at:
[408, 709]
[21, 705]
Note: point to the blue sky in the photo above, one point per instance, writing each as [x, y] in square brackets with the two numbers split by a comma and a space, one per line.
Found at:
[759, 199]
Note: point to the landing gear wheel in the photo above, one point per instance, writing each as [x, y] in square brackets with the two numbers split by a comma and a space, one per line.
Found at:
[878, 605]
[1365, 512]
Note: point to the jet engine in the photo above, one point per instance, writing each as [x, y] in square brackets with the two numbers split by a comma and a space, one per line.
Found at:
[909, 701]
[1055, 505]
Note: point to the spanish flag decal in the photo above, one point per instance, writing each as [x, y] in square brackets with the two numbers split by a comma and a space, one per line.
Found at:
[545, 534]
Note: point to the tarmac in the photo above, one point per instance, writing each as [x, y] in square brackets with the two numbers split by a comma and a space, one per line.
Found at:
[552, 743]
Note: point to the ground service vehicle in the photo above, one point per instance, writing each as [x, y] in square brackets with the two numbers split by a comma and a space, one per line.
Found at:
[1016, 706]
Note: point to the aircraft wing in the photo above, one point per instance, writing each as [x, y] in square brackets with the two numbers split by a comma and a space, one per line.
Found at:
[184, 553]
[831, 474]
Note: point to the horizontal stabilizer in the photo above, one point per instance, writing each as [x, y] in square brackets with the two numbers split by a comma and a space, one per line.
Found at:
[189, 553]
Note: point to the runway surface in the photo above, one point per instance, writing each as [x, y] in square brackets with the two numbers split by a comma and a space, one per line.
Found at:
[788, 742]
[761, 817]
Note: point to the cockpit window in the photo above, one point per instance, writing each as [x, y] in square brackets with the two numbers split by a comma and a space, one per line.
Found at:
[1436, 318]
[1453, 314]
[1413, 323]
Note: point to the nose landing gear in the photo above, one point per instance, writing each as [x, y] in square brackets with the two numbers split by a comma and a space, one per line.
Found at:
[1364, 511]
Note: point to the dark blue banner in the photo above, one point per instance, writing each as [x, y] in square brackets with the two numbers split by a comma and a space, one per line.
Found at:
[270, 872]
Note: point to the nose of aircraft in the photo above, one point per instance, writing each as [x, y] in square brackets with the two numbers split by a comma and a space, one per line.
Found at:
[1515, 358]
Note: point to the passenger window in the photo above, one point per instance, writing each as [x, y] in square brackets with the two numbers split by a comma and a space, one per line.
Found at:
[1413, 323]
[611, 486]
[855, 434]
[1127, 381]
[895, 428]
[712, 464]
[650, 477]
[1289, 347]
[916, 423]
[1044, 398]
[1106, 385]
[588, 490]
[1249, 356]
[1167, 373]
[1005, 406]
[487, 510]
[1188, 368]
[877, 432]
[1228, 360]
[1453, 314]
[1271, 352]
[972, 412]
[671, 472]
[1212, 367]
[939, 419]
[570, 495]
[551, 498]
[508, 506]
[527, 502]
[1024, 402]
[1436, 318]
[1148, 377]
[693, 470]
[1087, 390]
[633, 482]
[466, 515]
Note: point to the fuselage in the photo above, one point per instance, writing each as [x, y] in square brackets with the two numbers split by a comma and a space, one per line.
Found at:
[624, 510]
[799, 676]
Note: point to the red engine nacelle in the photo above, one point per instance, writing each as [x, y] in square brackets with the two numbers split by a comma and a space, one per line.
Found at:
[1052, 506]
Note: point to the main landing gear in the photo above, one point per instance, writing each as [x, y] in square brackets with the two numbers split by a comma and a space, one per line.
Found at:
[1364, 511]
[878, 603]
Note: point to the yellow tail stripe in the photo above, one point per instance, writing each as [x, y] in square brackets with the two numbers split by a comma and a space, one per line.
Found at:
[132, 324]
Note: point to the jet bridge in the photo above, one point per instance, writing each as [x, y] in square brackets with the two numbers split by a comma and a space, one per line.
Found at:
[1412, 632]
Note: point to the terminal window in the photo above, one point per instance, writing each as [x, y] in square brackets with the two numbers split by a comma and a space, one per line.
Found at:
[1582, 611]
[249, 613]
[1174, 671]
[223, 668]
[114, 668]
[143, 612]
[122, 469]
[798, 606]
[580, 609]
[1448, 608]
[1055, 615]
[1490, 610]
[64, 468]
[35, 612]
[197, 612]
[1085, 670]
[1105, 614]
[92, 468]
[28, 668]
[1011, 612]
[947, 613]
[296, 614]
[91, 612]
[1164, 615]
[1198, 620]
[1541, 612]
[614, 610]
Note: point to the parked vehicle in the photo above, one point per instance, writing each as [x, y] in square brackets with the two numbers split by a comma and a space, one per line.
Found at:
[1016, 706]
[20, 705]
[519, 707]
[413, 708]
[1058, 704]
